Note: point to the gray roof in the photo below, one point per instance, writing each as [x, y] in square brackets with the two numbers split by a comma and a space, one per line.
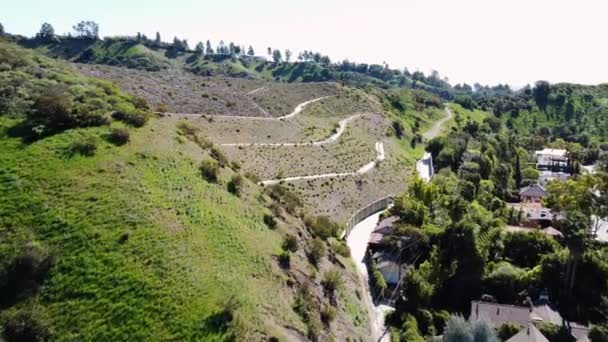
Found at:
[384, 227]
[528, 334]
[497, 314]
[534, 190]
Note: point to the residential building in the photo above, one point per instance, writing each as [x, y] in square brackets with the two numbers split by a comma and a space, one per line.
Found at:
[528, 334]
[549, 158]
[496, 314]
[533, 193]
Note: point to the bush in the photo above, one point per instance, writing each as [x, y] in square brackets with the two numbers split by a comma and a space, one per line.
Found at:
[322, 226]
[410, 332]
[332, 280]
[219, 156]
[290, 243]
[119, 136]
[440, 318]
[285, 259]
[599, 333]
[252, 177]
[134, 118]
[507, 330]
[270, 221]
[24, 274]
[425, 322]
[316, 251]
[86, 146]
[328, 315]
[235, 185]
[341, 248]
[53, 109]
[288, 199]
[25, 327]
[553, 332]
[210, 170]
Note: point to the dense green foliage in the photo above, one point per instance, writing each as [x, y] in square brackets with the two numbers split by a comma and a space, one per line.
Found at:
[457, 243]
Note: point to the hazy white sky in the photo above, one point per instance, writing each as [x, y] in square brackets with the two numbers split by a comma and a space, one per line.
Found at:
[486, 41]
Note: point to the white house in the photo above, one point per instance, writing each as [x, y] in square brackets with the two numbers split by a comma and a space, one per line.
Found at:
[551, 157]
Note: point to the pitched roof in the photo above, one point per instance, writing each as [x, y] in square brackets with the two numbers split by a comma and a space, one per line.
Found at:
[534, 190]
[383, 228]
[528, 334]
[496, 314]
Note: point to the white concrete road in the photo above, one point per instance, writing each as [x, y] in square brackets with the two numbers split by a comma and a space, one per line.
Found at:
[357, 241]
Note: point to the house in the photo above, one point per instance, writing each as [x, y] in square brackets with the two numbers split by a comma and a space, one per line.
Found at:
[538, 216]
[547, 176]
[389, 267]
[529, 334]
[550, 158]
[424, 167]
[383, 228]
[496, 314]
[533, 193]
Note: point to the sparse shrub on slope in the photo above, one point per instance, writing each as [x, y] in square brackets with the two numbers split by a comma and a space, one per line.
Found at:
[290, 243]
[235, 185]
[322, 226]
[85, 146]
[316, 250]
[332, 281]
[210, 170]
[119, 136]
[25, 326]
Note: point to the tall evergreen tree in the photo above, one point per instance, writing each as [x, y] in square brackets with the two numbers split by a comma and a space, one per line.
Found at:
[287, 55]
[208, 48]
[250, 51]
[276, 56]
[157, 40]
[46, 32]
[200, 48]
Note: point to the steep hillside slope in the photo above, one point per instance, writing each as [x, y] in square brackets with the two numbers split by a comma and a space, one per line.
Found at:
[104, 238]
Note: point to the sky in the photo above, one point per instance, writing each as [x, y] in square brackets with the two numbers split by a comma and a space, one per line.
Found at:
[487, 41]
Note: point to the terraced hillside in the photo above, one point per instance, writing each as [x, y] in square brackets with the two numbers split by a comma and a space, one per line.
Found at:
[182, 92]
[113, 228]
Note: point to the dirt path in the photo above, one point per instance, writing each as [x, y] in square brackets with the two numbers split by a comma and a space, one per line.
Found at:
[295, 112]
[256, 90]
[362, 170]
[341, 128]
[437, 127]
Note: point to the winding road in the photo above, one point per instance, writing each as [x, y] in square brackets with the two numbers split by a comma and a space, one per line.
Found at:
[438, 126]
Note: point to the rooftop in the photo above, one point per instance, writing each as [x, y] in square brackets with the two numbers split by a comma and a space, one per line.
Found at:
[552, 152]
[533, 190]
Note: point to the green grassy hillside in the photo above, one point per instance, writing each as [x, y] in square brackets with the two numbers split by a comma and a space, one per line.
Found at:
[104, 238]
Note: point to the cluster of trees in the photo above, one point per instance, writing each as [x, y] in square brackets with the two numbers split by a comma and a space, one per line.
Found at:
[456, 241]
